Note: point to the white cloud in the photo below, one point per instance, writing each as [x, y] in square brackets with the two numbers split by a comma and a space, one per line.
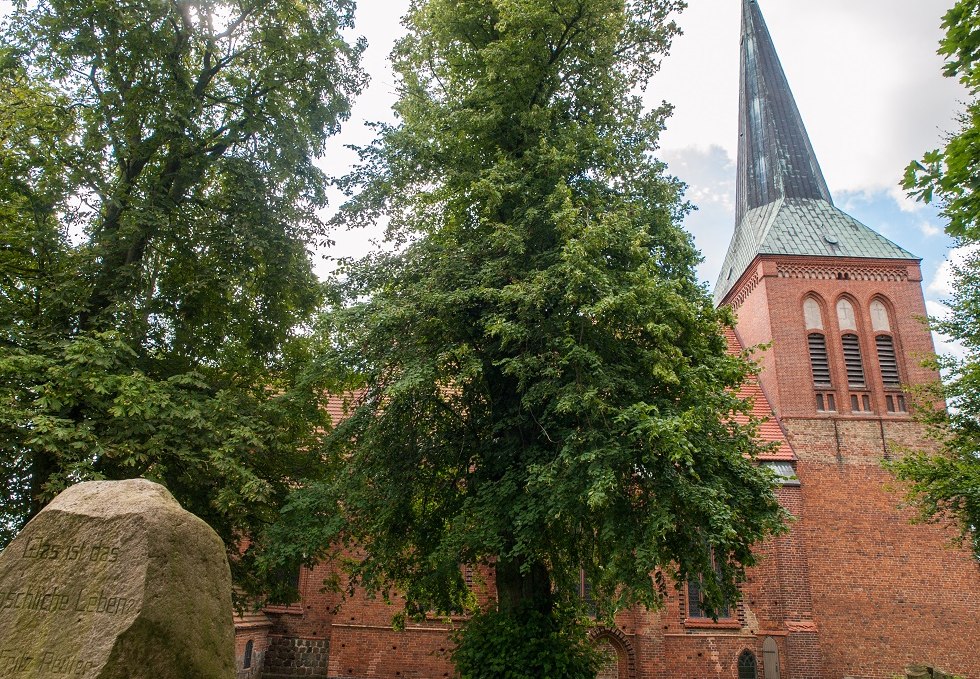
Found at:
[943, 282]
[905, 202]
[929, 229]
[945, 346]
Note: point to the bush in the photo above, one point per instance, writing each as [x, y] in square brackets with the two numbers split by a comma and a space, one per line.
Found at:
[525, 645]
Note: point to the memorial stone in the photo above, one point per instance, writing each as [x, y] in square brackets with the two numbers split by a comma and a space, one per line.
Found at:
[114, 580]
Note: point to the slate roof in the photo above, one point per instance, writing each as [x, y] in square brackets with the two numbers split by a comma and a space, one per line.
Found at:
[775, 158]
[783, 205]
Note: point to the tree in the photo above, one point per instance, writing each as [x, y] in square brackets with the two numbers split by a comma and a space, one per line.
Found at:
[158, 200]
[540, 384]
[945, 486]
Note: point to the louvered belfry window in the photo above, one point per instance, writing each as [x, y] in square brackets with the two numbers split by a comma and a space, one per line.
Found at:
[818, 360]
[853, 362]
[888, 362]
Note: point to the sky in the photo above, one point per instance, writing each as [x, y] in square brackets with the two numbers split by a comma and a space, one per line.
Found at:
[867, 80]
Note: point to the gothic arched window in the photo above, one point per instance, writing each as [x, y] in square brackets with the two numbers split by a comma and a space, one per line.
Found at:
[747, 666]
[817, 343]
[247, 661]
[853, 361]
[891, 378]
[817, 348]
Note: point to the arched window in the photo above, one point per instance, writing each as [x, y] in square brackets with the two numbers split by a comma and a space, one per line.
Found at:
[819, 362]
[853, 361]
[747, 668]
[891, 378]
[696, 605]
[885, 344]
[249, 647]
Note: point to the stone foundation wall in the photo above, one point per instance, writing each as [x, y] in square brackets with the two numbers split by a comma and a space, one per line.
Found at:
[289, 657]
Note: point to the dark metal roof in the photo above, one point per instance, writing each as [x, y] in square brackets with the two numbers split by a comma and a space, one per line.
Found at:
[775, 158]
[783, 205]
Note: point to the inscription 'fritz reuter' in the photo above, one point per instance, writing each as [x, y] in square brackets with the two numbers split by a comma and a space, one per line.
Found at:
[14, 663]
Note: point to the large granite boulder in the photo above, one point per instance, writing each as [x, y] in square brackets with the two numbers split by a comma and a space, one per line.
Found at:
[114, 580]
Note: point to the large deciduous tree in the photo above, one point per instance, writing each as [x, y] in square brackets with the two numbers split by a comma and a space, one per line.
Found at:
[946, 486]
[542, 386]
[158, 198]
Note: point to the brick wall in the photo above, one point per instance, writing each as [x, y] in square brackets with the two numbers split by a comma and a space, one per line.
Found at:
[773, 313]
[251, 634]
[886, 593]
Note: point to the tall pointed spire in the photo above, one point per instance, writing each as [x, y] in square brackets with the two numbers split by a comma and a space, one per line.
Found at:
[775, 158]
[783, 206]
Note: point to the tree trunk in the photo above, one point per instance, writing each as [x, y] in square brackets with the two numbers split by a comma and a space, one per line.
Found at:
[529, 590]
[43, 466]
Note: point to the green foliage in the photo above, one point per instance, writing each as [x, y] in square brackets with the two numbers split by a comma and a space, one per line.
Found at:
[525, 645]
[541, 383]
[945, 487]
[157, 199]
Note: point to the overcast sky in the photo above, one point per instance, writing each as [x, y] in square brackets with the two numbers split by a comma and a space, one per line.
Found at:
[865, 74]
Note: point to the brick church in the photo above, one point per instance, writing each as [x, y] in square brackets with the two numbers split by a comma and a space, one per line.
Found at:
[853, 589]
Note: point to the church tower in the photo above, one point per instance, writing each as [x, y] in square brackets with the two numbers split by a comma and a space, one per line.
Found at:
[841, 309]
[801, 273]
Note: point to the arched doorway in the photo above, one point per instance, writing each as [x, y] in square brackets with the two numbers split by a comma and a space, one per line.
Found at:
[621, 661]
[610, 670]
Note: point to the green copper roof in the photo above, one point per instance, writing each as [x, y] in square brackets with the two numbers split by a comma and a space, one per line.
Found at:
[801, 226]
[783, 206]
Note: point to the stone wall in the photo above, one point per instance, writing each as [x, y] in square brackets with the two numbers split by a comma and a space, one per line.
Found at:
[295, 657]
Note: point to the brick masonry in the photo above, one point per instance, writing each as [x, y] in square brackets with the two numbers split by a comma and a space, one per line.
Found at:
[251, 644]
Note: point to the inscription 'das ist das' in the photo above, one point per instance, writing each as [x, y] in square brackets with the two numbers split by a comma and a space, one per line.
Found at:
[40, 548]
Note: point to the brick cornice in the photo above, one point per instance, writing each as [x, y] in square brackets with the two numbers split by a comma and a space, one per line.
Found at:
[820, 268]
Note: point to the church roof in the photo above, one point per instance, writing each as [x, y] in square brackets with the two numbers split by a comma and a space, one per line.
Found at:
[770, 431]
[783, 205]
